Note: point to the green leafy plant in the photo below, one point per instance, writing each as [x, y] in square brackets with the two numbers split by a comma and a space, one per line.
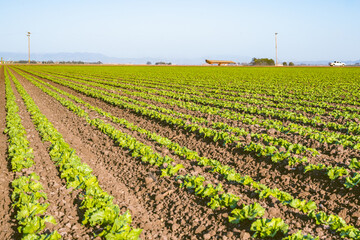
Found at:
[354, 164]
[104, 213]
[303, 205]
[351, 182]
[268, 227]
[247, 212]
[336, 172]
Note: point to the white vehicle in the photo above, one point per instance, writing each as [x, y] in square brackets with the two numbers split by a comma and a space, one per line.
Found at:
[336, 63]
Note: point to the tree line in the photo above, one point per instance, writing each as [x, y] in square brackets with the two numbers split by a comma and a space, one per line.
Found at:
[267, 62]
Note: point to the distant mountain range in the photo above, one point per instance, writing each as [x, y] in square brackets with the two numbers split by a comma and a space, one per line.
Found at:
[95, 57]
[77, 56]
[323, 62]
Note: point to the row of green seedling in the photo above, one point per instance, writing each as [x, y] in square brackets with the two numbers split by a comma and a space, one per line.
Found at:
[28, 199]
[185, 95]
[223, 137]
[100, 211]
[262, 227]
[309, 132]
[296, 117]
[208, 91]
[228, 173]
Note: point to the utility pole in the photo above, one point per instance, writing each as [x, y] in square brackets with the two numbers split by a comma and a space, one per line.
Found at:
[29, 44]
[276, 49]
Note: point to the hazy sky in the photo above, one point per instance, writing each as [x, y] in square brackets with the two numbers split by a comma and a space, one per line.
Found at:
[308, 30]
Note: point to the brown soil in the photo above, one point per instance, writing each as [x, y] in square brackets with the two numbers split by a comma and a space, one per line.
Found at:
[151, 200]
[325, 118]
[157, 204]
[62, 201]
[329, 154]
[310, 186]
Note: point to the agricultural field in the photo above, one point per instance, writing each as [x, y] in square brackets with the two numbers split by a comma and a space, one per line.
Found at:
[128, 152]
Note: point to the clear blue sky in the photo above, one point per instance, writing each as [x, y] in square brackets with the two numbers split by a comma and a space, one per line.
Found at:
[308, 30]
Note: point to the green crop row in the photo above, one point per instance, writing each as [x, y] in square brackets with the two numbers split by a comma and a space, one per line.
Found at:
[19, 151]
[311, 133]
[229, 173]
[249, 89]
[224, 137]
[100, 211]
[298, 148]
[210, 98]
[265, 111]
[302, 84]
[27, 197]
[217, 198]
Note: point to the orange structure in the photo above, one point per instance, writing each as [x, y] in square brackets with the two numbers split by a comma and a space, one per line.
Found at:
[219, 62]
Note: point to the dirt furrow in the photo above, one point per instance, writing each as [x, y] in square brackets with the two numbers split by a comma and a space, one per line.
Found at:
[63, 202]
[260, 116]
[329, 194]
[156, 204]
[296, 220]
[330, 155]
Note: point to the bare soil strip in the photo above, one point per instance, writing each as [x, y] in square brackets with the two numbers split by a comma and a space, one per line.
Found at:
[63, 202]
[157, 205]
[297, 221]
[331, 195]
[326, 118]
[330, 155]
